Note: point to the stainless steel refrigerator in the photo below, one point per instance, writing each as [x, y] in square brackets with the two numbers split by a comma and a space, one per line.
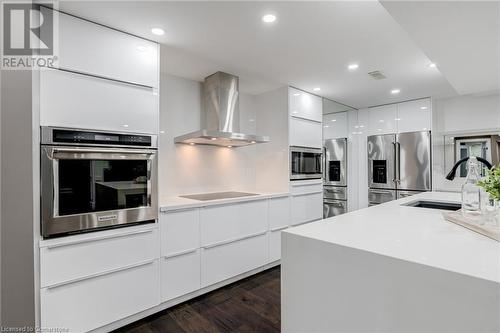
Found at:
[399, 165]
[335, 177]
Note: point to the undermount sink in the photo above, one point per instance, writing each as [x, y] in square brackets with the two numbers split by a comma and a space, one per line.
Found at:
[453, 206]
[217, 195]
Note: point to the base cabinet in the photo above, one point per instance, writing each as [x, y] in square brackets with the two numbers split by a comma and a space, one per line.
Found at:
[93, 302]
[275, 245]
[222, 262]
[306, 208]
[180, 275]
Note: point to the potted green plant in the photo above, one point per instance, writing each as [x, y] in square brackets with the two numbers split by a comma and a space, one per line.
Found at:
[490, 201]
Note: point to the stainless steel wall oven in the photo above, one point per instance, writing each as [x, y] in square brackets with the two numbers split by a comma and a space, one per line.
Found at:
[92, 180]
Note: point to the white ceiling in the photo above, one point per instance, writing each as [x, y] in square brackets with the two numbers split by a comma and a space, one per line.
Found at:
[462, 37]
[309, 45]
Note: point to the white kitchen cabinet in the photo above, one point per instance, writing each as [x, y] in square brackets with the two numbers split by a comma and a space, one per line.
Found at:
[335, 125]
[383, 119]
[180, 275]
[414, 116]
[279, 212]
[306, 208]
[305, 105]
[98, 50]
[275, 245]
[233, 221]
[90, 303]
[87, 255]
[81, 101]
[180, 232]
[305, 133]
[222, 262]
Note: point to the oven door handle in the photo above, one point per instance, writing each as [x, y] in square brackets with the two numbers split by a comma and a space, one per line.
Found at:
[86, 153]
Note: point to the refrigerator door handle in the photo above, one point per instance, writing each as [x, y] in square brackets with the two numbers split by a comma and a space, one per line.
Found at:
[398, 162]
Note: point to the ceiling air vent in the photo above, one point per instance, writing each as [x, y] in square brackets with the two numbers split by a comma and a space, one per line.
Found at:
[377, 75]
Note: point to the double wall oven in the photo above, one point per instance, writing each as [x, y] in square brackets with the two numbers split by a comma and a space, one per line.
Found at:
[92, 180]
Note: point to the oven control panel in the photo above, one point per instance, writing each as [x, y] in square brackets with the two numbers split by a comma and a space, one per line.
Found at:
[100, 138]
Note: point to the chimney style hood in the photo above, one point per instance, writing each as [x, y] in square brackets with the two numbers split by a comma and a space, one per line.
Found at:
[220, 117]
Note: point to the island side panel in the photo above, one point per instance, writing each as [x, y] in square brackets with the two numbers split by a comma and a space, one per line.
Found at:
[331, 288]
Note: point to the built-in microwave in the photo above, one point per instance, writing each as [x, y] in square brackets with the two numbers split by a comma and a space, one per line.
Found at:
[306, 163]
[92, 180]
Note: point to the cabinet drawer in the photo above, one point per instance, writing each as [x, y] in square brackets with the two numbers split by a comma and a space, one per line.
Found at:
[275, 245]
[231, 222]
[86, 257]
[279, 212]
[102, 51]
[180, 231]
[180, 275]
[225, 261]
[80, 101]
[305, 133]
[306, 208]
[306, 188]
[88, 304]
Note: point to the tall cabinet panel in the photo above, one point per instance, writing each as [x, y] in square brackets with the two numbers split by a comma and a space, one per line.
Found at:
[383, 119]
[414, 116]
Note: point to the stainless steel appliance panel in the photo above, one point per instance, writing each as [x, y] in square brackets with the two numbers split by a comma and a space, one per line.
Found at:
[381, 161]
[335, 192]
[413, 161]
[378, 196]
[334, 208]
[335, 170]
[405, 194]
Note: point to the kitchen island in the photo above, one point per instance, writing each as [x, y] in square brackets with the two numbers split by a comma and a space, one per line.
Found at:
[390, 268]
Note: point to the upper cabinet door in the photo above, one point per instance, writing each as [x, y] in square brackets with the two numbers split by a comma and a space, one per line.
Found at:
[383, 119]
[335, 126]
[305, 105]
[414, 116]
[97, 50]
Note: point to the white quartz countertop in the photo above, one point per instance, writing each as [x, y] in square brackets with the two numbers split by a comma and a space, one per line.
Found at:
[413, 234]
[177, 202]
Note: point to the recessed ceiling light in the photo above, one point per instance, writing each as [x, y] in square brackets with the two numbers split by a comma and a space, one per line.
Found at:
[162, 132]
[268, 18]
[296, 94]
[423, 108]
[158, 31]
[352, 67]
[395, 91]
[334, 120]
[317, 89]
[432, 65]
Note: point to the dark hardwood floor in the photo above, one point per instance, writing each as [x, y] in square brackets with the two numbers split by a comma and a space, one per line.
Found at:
[249, 305]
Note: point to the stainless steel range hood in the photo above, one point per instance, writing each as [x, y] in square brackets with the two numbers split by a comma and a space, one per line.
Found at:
[220, 118]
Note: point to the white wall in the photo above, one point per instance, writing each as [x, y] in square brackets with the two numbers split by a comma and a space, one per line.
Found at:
[185, 169]
[459, 116]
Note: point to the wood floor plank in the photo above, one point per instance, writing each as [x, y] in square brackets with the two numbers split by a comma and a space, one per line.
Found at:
[251, 305]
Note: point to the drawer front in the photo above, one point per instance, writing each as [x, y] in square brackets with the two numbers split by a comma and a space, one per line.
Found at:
[120, 56]
[232, 222]
[306, 208]
[180, 232]
[275, 245]
[89, 304]
[279, 212]
[225, 261]
[381, 196]
[306, 188]
[80, 101]
[180, 275]
[335, 193]
[59, 264]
